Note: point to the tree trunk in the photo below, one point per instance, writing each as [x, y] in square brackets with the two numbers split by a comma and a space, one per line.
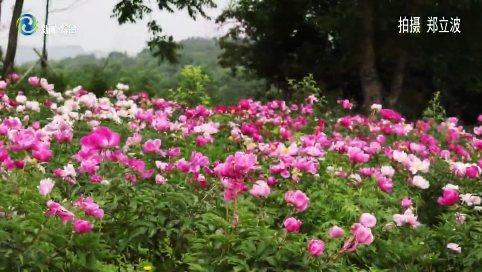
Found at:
[1, 49]
[371, 84]
[397, 80]
[12, 39]
[1, 4]
[399, 72]
[43, 63]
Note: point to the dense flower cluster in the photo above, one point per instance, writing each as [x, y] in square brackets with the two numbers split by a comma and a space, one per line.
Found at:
[277, 143]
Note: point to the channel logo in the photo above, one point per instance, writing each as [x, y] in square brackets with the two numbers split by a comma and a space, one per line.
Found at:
[27, 24]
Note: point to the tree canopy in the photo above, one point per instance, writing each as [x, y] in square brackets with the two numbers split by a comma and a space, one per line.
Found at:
[351, 45]
[162, 46]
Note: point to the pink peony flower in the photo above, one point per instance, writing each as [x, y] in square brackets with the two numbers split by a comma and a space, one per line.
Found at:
[368, 220]
[335, 232]
[152, 146]
[406, 203]
[101, 138]
[260, 189]
[82, 226]
[34, 81]
[292, 224]
[316, 247]
[45, 186]
[298, 199]
[407, 218]
[449, 197]
[55, 208]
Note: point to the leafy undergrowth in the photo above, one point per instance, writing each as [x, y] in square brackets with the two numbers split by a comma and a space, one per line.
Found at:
[132, 183]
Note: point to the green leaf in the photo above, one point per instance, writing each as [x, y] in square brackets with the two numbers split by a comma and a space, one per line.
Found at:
[271, 260]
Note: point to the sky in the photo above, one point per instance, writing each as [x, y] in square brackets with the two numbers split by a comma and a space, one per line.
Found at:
[95, 30]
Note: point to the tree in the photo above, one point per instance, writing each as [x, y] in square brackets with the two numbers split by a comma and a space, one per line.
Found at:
[1, 6]
[191, 90]
[354, 50]
[162, 46]
[370, 80]
[275, 40]
[43, 62]
[12, 39]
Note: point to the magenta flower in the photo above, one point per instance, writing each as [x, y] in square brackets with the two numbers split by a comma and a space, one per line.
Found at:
[34, 81]
[89, 207]
[360, 235]
[316, 247]
[23, 140]
[43, 155]
[151, 146]
[407, 218]
[101, 138]
[201, 141]
[385, 184]
[335, 232]
[95, 179]
[198, 160]
[298, 199]
[55, 208]
[472, 171]
[368, 220]
[449, 197]
[292, 224]
[82, 226]
[183, 165]
[173, 152]
[260, 189]
[64, 136]
[356, 155]
[406, 203]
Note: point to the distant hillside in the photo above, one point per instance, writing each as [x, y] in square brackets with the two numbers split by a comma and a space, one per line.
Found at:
[26, 54]
[196, 51]
[143, 72]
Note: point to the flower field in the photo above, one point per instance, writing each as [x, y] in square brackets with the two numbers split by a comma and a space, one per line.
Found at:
[131, 183]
